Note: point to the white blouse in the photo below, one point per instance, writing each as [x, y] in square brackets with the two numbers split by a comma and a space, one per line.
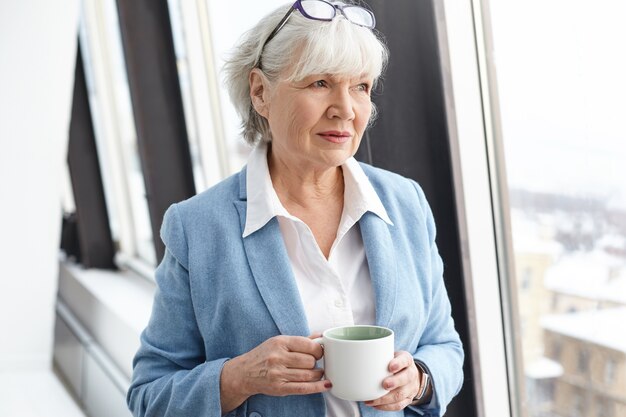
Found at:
[336, 291]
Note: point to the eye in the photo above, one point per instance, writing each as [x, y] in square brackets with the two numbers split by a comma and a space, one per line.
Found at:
[319, 84]
[363, 87]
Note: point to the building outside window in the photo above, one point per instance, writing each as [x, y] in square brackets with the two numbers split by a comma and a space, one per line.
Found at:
[583, 361]
[557, 348]
[579, 405]
[527, 275]
[561, 92]
[604, 409]
[609, 372]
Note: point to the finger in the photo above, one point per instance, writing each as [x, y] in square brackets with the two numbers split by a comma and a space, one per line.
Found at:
[305, 388]
[401, 360]
[407, 376]
[394, 407]
[315, 335]
[397, 395]
[303, 375]
[304, 345]
[299, 360]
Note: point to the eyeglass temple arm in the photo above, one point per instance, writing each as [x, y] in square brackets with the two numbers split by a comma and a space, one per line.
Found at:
[280, 25]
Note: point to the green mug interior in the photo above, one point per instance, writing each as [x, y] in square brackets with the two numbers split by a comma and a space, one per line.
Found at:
[358, 333]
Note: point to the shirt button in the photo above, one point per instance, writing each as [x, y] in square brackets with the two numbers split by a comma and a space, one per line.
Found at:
[339, 303]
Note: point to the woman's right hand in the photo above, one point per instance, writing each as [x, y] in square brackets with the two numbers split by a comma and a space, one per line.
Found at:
[280, 366]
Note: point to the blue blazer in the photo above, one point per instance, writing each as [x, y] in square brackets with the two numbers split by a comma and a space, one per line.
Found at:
[220, 295]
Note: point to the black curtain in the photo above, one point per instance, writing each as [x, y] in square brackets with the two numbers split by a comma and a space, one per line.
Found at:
[411, 138]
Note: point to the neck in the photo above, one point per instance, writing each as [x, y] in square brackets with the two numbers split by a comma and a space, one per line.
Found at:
[302, 186]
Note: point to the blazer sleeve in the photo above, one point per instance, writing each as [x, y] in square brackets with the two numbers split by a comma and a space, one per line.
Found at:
[440, 348]
[171, 376]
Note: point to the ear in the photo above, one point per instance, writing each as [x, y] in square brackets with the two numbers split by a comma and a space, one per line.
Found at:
[259, 92]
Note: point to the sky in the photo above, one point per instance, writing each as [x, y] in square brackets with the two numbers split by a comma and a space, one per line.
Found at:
[561, 70]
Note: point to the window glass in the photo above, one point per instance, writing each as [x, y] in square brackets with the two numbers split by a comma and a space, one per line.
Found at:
[560, 69]
[115, 133]
[204, 32]
[67, 194]
[227, 25]
[197, 112]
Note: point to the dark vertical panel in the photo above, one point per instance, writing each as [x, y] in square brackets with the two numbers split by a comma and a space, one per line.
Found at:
[157, 106]
[92, 220]
[411, 138]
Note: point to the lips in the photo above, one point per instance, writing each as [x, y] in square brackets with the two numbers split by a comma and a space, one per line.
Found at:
[336, 136]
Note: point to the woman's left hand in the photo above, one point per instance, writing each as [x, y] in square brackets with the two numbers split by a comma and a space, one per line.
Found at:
[403, 385]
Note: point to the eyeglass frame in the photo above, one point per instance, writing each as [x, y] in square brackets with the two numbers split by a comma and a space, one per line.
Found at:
[297, 5]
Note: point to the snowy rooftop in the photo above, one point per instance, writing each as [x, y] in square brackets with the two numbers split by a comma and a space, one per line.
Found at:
[543, 368]
[594, 275]
[533, 235]
[601, 327]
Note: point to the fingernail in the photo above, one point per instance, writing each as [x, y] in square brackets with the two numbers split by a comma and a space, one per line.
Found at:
[388, 385]
[328, 384]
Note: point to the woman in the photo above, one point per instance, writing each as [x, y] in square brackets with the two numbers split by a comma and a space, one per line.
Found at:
[304, 238]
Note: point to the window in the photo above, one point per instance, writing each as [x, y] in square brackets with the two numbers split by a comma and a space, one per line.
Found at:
[558, 88]
[579, 405]
[555, 302]
[198, 84]
[604, 408]
[115, 130]
[204, 32]
[609, 371]
[67, 196]
[557, 349]
[582, 365]
[527, 274]
[228, 24]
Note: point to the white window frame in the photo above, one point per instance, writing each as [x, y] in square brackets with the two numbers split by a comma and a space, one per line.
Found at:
[206, 111]
[480, 181]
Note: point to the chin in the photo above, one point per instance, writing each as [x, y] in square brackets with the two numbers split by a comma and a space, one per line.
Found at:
[337, 158]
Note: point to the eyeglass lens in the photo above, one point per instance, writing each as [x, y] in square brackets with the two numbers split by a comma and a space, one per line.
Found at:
[358, 15]
[316, 9]
[321, 10]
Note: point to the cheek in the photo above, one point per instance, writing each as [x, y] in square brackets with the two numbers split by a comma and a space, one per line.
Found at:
[364, 114]
[304, 116]
[287, 121]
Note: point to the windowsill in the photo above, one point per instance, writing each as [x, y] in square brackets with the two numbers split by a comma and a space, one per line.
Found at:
[113, 306]
[35, 393]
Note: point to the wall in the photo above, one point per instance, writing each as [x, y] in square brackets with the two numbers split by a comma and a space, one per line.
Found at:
[532, 300]
[588, 390]
[37, 59]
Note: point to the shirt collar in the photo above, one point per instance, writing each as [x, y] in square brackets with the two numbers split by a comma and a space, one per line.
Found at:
[264, 204]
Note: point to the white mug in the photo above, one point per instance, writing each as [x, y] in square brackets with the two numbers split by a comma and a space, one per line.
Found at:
[356, 360]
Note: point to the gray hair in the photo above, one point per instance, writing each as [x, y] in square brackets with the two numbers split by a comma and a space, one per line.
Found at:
[308, 47]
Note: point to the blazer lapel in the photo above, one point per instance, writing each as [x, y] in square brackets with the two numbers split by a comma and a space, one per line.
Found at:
[273, 275]
[382, 265]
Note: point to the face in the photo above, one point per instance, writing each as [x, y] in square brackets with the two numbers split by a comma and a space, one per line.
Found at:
[316, 123]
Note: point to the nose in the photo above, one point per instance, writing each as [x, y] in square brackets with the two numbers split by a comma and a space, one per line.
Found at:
[342, 105]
